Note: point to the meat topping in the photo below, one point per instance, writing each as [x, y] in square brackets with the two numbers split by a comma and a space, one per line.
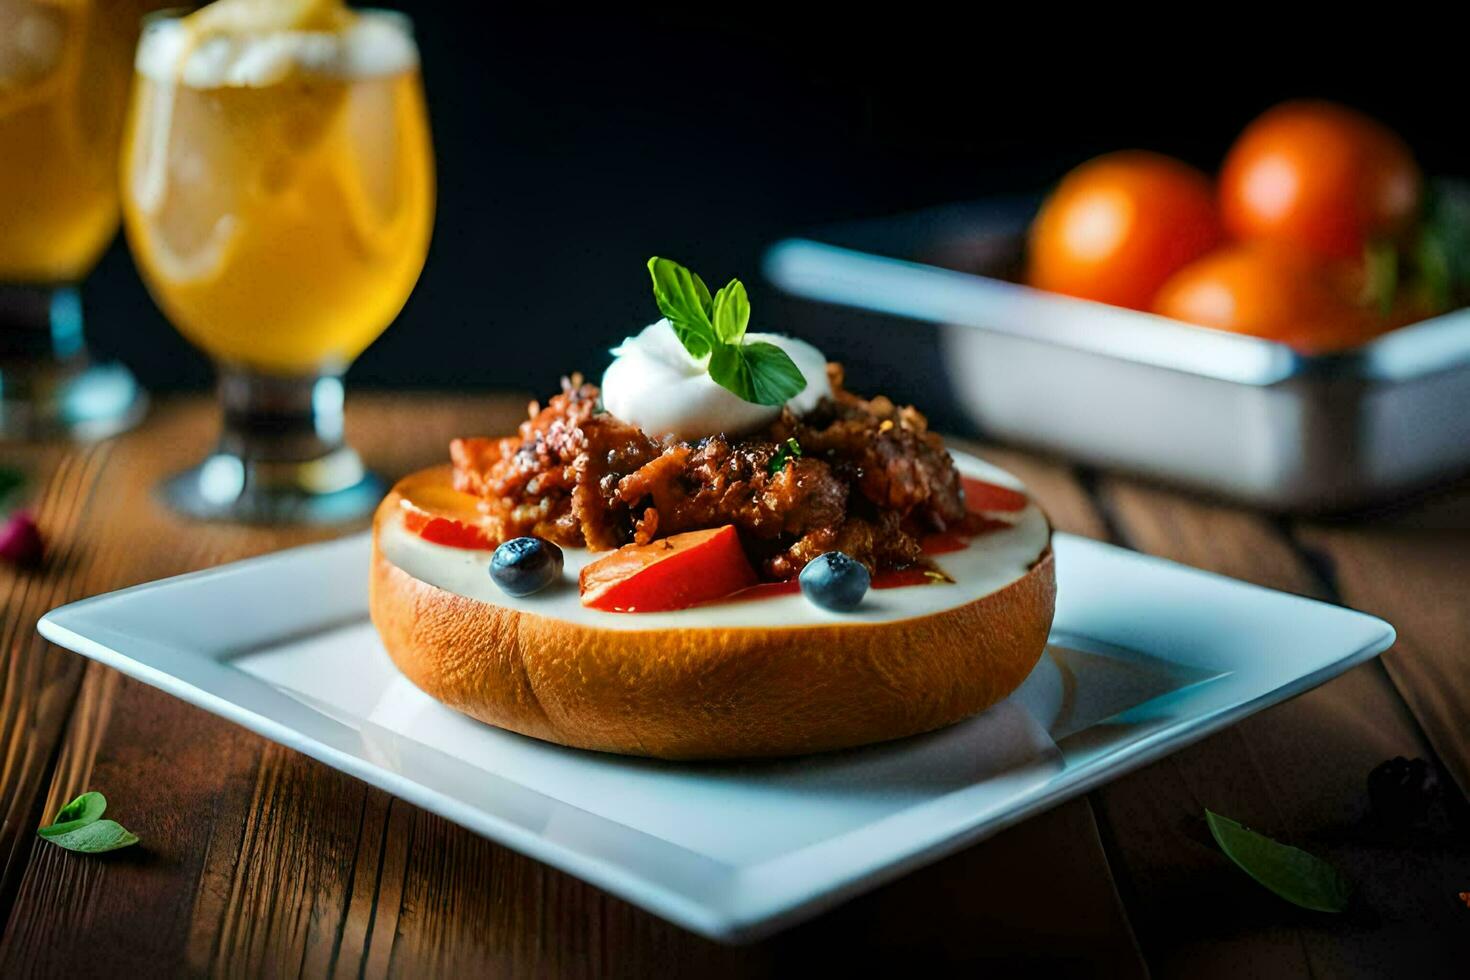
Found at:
[871, 480]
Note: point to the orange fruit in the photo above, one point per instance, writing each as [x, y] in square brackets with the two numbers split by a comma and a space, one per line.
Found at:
[1319, 176]
[1118, 226]
[1273, 292]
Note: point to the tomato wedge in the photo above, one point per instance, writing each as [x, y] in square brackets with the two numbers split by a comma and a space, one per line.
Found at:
[990, 498]
[676, 572]
[437, 512]
[991, 508]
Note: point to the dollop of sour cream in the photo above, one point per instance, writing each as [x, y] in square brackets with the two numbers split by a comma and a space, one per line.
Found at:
[655, 384]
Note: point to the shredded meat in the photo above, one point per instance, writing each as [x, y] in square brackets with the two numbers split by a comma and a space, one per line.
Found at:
[871, 479]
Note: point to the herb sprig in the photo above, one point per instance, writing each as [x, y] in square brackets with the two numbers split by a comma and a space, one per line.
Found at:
[713, 327]
[788, 450]
[79, 827]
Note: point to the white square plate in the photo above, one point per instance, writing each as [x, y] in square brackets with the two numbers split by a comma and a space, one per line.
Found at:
[1146, 656]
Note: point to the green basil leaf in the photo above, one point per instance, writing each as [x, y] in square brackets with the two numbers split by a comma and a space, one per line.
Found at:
[684, 298]
[95, 838]
[731, 313]
[85, 809]
[1300, 878]
[775, 378]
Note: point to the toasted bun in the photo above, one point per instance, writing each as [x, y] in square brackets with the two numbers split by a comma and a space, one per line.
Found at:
[704, 692]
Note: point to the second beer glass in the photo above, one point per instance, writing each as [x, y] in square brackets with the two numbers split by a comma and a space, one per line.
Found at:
[278, 195]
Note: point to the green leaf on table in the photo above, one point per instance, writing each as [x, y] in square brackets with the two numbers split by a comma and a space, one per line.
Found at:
[11, 480]
[97, 837]
[85, 809]
[1300, 878]
[684, 299]
[731, 313]
[79, 827]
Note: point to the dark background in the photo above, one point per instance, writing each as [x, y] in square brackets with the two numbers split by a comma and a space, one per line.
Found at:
[570, 148]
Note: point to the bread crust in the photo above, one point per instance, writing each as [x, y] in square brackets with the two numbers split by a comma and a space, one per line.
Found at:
[710, 693]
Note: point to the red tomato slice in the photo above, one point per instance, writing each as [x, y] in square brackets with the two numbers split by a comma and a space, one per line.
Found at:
[447, 531]
[988, 498]
[676, 572]
[437, 512]
[944, 542]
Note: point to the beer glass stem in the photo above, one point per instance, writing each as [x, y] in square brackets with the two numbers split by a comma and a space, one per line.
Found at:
[280, 420]
[48, 384]
[281, 455]
[40, 324]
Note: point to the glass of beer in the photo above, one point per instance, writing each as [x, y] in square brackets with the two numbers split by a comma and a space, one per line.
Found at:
[64, 72]
[278, 195]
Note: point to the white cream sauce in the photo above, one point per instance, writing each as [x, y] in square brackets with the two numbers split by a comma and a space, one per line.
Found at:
[991, 562]
[657, 385]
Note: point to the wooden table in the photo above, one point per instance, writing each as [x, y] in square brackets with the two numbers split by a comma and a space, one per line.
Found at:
[257, 860]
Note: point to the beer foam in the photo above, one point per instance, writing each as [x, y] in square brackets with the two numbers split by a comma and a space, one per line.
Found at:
[374, 44]
[32, 41]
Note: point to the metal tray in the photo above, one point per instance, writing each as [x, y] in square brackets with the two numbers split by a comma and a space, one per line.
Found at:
[1235, 416]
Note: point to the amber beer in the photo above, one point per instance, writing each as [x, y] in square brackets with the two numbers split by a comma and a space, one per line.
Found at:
[64, 71]
[281, 222]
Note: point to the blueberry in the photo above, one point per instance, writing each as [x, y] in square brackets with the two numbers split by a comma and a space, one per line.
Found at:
[835, 581]
[522, 566]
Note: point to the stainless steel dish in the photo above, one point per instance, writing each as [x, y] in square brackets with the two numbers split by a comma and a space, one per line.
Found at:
[1232, 415]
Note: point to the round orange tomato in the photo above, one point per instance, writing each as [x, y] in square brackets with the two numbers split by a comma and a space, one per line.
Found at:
[1319, 176]
[1270, 291]
[1118, 226]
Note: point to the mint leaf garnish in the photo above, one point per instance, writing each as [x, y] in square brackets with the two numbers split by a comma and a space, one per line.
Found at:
[760, 372]
[1300, 878]
[684, 299]
[714, 327]
[79, 827]
[731, 313]
[775, 378]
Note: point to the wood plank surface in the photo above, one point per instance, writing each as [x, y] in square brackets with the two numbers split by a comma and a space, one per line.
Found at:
[1297, 771]
[40, 681]
[258, 860]
[1413, 569]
